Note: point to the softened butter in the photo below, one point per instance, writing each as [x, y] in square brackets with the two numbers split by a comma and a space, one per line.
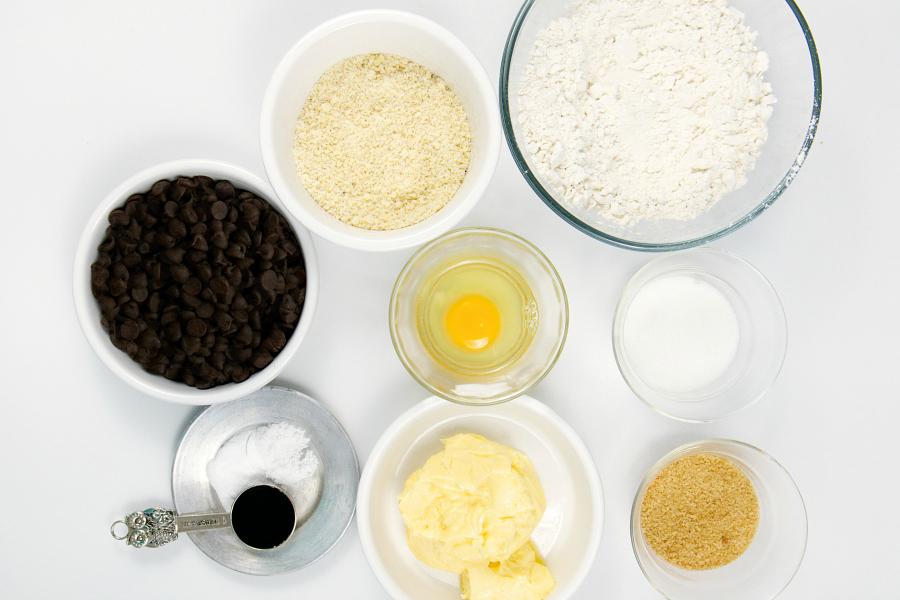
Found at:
[474, 503]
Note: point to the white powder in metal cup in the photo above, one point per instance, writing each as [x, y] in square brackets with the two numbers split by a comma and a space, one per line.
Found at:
[680, 334]
[645, 109]
[279, 452]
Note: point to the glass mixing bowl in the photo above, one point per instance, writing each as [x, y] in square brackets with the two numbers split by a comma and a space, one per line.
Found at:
[773, 557]
[797, 85]
[546, 315]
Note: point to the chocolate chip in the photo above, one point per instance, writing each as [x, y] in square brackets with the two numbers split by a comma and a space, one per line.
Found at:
[129, 330]
[160, 187]
[190, 344]
[174, 255]
[192, 286]
[204, 272]
[117, 287]
[235, 251]
[130, 310]
[268, 280]
[106, 303]
[219, 210]
[172, 331]
[191, 301]
[149, 339]
[177, 228]
[244, 336]
[199, 243]
[224, 190]
[196, 327]
[205, 310]
[219, 285]
[118, 218]
[261, 359]
[180, 273]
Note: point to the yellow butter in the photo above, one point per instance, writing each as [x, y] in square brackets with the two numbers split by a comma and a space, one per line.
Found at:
[476, 502]
[521, 577]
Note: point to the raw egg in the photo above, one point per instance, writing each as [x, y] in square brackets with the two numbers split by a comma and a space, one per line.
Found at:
[473, 322]
[476, 317]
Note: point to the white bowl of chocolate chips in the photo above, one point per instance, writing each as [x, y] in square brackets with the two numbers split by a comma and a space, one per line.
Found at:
[193, 284]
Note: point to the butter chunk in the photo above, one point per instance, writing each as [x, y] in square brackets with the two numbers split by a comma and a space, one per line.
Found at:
[521, 577]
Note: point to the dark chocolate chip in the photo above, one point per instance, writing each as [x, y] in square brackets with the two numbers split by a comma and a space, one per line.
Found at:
[129, 330]
[196, 327]
[180, 273]
[268, 280]
[205, 310]
[192, 286]
[119, 218]
[219, 285]
[219, 210]
[190, 344]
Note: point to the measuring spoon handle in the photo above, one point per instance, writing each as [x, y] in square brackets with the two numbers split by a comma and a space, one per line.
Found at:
[154, 527]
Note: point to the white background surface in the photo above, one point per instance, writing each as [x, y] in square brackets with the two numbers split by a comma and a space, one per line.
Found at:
[93, 92]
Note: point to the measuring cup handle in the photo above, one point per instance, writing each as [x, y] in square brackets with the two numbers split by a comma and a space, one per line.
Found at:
[154, 527]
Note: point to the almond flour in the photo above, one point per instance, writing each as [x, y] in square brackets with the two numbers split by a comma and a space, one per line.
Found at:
[701, 512]
[382, 142]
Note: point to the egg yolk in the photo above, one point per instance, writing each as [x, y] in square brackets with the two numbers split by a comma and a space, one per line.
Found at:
[473, 322]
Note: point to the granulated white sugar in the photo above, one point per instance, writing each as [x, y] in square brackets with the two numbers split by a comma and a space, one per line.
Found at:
[680, 334]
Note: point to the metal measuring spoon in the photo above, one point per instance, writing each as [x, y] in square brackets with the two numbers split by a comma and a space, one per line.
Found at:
[262, 517]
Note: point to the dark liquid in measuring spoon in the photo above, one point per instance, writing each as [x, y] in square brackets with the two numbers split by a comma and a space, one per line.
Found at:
[263, 517]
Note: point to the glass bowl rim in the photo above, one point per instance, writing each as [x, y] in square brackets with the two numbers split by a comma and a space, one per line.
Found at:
[619, 242]
[507, 236]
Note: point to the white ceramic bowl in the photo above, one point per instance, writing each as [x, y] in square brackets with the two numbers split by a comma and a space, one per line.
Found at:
[88, 310]
[568, 536]
[390, 32]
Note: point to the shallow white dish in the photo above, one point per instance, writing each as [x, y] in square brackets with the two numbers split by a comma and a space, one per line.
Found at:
[88, 309]
[377, 31]
[568, 536]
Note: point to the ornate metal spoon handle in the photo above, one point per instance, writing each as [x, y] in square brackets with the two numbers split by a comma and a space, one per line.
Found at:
[154, 527]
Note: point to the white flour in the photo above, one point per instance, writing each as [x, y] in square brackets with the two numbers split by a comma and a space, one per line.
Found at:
[645, 109]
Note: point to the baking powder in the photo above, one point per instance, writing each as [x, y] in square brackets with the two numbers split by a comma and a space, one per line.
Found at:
[279, 452]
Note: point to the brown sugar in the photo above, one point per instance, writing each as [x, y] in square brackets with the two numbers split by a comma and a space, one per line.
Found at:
[701, 512]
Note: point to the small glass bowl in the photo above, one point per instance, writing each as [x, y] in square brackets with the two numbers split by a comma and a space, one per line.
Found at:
[773, 557]
[534, 362]
[761, 347]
